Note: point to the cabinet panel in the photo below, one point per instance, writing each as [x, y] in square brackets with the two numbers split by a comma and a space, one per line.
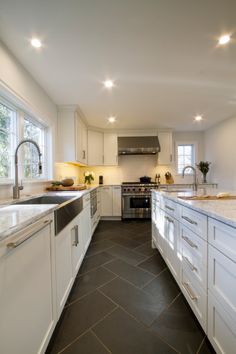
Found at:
[26, 297]
[77, 247]
[95, 148]
[116, 200]
[85, 226]
[81, 141]
[195, 221]
[106, 201]
[110, 149]
[171, 230]
[166, 154]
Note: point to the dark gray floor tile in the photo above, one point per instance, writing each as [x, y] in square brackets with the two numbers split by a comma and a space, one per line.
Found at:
[125, 242]
[127, 255]
[97, 247]
[86, 344]
[138, 303]
[154, 264]
[102, 235]
[122, 334]
[129, 272]
[79, 317]
[146, 249]
[178, 326]
[164, 288]
[86, 283]
[206, 348]
[95, 261]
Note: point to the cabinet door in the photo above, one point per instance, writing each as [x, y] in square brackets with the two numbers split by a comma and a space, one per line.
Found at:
[67, 135]
[172, 245]
[110, 149]
[85, 226]
[95, 148]
[26, 292]
[64, 275]
[106, 201]
[165, 155]
[116, 200]
[81, 141]
[77, 247]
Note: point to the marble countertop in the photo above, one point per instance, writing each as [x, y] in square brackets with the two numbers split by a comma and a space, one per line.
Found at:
[222, 210]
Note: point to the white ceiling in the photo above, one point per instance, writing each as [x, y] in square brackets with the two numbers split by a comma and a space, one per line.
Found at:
[161, 53]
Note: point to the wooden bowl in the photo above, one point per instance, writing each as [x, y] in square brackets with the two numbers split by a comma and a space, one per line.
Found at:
[67, 182]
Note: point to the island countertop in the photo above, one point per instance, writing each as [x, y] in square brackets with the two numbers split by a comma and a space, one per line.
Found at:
[220, 209]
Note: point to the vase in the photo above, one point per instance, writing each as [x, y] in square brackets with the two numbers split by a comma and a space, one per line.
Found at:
[204, 178]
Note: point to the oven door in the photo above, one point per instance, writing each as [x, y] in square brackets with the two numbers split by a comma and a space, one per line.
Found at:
[136, 206]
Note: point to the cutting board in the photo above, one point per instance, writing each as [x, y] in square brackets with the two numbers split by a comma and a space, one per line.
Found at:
[71, 188]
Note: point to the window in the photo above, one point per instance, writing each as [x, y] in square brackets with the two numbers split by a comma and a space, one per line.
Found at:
[7, 140]
[15, 125]
[185, 157]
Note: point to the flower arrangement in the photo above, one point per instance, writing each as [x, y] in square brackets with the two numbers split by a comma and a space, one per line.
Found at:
[204, 167]
[88, 177]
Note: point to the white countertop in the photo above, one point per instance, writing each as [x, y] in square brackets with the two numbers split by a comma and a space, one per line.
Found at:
[222, 210]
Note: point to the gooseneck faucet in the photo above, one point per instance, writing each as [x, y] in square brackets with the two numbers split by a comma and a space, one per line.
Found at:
[194, 175]
[16, 187]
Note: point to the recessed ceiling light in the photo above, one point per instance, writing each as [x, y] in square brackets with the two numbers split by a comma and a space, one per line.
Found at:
[111, 119]
[224, 39]
[198, 118]
[35, 42]
[108, 84]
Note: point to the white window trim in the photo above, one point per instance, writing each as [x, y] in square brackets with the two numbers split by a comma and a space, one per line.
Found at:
[186, 142]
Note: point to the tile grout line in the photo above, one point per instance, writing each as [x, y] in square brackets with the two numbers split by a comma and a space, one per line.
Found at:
[155, 277]
[202, 342]
[99, 339]
[101, 265]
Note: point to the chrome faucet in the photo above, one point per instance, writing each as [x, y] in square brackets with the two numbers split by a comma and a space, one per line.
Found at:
[194, 176]
[16, 187]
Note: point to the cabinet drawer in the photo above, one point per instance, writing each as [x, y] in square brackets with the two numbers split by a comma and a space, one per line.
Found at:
[196, 297]
[222, 279]
[195, 221]
[223, 237]
[170, 207]
[194, 255]
[221, 327]
[86, 200]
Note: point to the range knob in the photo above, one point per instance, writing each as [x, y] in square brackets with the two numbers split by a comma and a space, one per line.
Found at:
[133, 189]
[128, 189]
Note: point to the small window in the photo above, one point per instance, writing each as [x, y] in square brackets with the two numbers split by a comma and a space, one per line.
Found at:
[7, 140]
[185, 157]
[35, 131]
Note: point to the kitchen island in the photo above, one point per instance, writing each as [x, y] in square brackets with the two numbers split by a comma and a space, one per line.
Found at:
[197, 239]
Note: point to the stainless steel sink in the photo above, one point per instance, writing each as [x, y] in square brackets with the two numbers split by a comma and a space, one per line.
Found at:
[69, 207]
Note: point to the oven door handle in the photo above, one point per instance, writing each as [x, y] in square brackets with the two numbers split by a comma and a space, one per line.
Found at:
[137, 195]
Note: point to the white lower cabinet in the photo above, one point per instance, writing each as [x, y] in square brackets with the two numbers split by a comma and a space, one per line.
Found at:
[27, 283]
[116, 200]
[77, 246]
[110, 201]
[85, 227]
[172, 255]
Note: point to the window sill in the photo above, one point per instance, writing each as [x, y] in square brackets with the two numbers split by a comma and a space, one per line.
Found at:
[10, 182]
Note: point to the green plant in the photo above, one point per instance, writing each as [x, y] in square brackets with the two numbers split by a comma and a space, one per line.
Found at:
[88, 177]
[204, 166]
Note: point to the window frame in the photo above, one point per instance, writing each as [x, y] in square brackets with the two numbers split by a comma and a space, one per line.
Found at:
[195, 154]
[20, 115]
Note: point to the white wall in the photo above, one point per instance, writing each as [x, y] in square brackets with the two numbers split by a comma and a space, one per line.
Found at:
[130, 168]
[220, 150]
[18, 86]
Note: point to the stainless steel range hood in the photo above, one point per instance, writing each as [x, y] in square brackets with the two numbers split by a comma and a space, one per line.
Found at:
[138, 145]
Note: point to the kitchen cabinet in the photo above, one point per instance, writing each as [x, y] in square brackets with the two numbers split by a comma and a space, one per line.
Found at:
[77, 246]
[110, 201]
[95, 148]
[110, 149]
[171, 231]
[85, 222]
[165, 156]
[27, 297]
[72, 136]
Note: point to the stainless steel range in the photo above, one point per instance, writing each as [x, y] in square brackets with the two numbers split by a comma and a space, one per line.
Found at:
[136, 200]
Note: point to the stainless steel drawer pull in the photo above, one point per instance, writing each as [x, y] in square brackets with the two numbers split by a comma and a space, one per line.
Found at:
[191, 266]
[168, 207]
[24, 238]
[169, 219]
[185, 238]
[189, 220]
[189, 291]
[76, 229]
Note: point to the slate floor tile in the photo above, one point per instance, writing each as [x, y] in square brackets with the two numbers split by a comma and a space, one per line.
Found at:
[135, 301]
[131, 273]
[97, 247]
[178, 326]
[122, 334]
[146, 249]
[206, 348]
[95, 261]
[125, 242]
[154, 264]
[86, 283]
[86, 344]
[126, 254]
[103, 235]
[79, 317]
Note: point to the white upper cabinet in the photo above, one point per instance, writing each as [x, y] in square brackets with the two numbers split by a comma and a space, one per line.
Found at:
[110, 149]
[165, 156]
[95, 148]
[72, 136]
